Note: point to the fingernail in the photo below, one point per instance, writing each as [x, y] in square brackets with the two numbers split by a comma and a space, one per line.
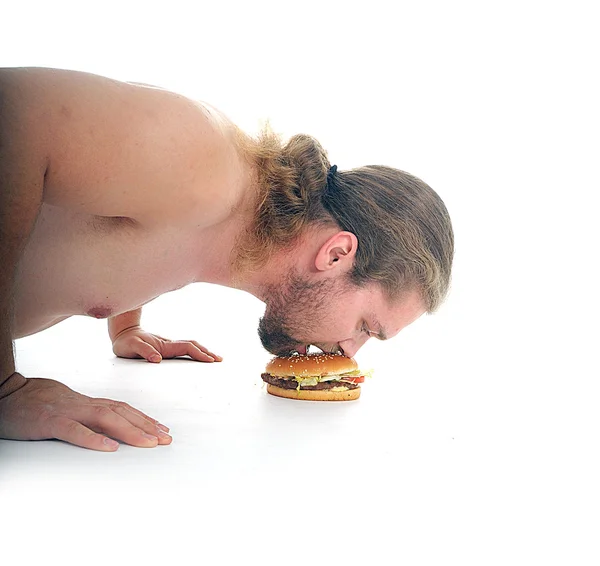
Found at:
[149, 436]
[111, 443]
[155, 358]
[164, 434]
[163, 427]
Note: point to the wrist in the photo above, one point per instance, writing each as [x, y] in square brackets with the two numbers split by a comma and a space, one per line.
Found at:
[121, 323]
[11, 384]
[123, 331]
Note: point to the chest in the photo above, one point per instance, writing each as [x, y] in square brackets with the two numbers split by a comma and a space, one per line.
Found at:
[77, 263]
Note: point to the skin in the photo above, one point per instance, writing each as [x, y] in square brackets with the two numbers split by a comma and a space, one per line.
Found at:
[107, 183]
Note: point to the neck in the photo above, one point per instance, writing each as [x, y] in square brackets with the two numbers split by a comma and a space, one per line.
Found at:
[299, 258]
[217, 243]
[216, 256]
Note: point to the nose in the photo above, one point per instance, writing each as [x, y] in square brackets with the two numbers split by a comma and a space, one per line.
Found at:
[351, 346]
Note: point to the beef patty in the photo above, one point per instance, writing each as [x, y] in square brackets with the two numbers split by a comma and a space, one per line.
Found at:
[293, 384]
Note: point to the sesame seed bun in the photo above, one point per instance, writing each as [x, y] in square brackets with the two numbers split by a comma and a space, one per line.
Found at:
[310, 364]
[314, 395]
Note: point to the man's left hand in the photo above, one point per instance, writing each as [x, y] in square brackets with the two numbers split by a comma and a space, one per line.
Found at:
[137, 343]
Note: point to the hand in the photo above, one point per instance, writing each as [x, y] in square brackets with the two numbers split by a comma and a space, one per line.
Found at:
[44, 409]
[136, 343]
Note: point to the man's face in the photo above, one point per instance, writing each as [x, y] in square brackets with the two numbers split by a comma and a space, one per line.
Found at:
[332, 314]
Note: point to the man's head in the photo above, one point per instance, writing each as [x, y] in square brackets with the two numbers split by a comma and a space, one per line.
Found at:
[332, 314]
[401, 250]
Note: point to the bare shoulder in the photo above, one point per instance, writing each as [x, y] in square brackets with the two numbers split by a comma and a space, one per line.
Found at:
[124, 149]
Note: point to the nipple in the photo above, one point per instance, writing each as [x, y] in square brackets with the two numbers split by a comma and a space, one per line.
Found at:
[100, 312]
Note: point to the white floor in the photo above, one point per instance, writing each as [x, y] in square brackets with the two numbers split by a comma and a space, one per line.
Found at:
[462, 449]
[477, 441]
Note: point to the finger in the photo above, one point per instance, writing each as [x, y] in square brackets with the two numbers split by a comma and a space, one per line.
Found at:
[181, 348]
[73, 432]
[216, 357]
[101, 418]
[140, 422]
[111, 402]
[147, 351]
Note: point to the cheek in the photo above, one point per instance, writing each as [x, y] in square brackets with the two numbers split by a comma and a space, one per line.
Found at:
[337, 325]
[312, 324]
[322, 316]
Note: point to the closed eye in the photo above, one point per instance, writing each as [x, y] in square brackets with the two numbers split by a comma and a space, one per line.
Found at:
[369, 332]
[379, 335]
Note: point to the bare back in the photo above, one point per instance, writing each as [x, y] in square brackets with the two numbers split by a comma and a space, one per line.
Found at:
[142, 195]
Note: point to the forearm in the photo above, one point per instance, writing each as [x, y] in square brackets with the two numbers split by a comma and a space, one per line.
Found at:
[13, 235]
[121, 322]
[7, 360]
[22, 170]
[9, 380]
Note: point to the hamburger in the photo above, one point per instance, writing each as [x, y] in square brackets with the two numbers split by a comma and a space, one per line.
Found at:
[314, 377]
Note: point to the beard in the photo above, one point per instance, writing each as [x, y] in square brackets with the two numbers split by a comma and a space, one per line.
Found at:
[289, 318]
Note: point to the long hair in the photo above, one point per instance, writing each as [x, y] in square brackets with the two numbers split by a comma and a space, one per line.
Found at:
[404, 232]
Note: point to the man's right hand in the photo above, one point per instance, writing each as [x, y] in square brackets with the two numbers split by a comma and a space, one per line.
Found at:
[45, 409]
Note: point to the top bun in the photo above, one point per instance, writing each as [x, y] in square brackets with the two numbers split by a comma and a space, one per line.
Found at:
[310, 365]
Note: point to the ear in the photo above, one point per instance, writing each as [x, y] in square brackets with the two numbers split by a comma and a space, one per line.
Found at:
[337, 252]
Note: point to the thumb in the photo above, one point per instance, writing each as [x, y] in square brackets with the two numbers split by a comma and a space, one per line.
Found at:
[148, 352]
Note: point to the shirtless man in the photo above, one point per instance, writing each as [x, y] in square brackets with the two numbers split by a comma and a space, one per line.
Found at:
[113, 193]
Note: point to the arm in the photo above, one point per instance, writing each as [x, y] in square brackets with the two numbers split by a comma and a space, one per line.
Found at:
[23, 164]
[123, 322]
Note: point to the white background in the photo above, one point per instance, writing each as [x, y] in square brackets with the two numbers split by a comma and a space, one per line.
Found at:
[477, 440]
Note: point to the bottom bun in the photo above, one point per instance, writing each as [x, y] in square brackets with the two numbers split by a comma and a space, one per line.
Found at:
[314, 394]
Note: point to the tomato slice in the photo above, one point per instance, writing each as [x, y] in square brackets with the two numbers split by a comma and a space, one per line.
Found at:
[354, 379]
